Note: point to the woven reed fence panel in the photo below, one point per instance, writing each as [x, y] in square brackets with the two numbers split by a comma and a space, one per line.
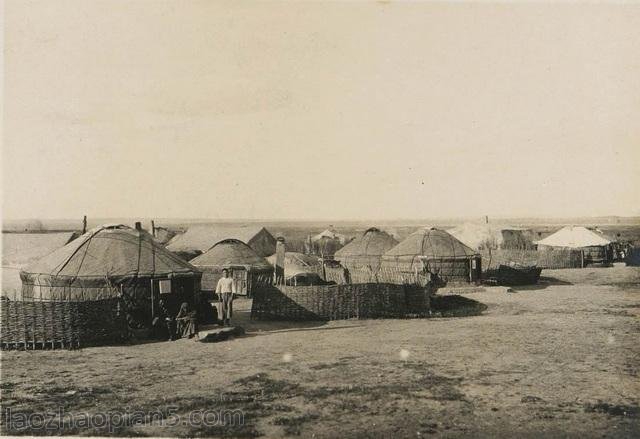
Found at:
[336, 302]
[60, 324]
[550, 259]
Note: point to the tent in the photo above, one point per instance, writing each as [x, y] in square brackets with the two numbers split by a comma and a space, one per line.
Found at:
[200, 238]
[595, 247]
[247, 268]
[300, 269]
[105, 262]
[438, 251]
[489, 236]
[325, 244]
[90, 290]
[366, 250]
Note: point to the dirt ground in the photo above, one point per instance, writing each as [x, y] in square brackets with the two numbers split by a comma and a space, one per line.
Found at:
[558, 359]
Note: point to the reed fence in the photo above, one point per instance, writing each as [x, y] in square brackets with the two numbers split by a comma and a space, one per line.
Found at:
[549, 259]
[40, 324]
[336, 302]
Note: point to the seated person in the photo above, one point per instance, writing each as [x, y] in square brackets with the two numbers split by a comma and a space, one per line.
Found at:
[164, 320]
[187, 322]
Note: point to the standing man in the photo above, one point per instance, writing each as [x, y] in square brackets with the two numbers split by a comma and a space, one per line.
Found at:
[225, 290]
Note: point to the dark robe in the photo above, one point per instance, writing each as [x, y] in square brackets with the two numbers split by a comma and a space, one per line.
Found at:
[187, 322]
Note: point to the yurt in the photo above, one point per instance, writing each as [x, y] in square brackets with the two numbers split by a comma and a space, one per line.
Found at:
[366, 251]
[245, 266]
[89, 290]
[300, 269]
[326, 243]
[596, 249]
[437, 251]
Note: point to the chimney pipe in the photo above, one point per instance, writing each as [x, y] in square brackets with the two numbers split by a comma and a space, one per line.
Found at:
[279, 265]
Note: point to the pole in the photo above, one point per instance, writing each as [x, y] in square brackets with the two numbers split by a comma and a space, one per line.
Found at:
[84, 225]
[153, 229]
[152, 307]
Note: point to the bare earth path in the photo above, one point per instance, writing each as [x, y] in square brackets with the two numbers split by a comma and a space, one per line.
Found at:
[558, 359]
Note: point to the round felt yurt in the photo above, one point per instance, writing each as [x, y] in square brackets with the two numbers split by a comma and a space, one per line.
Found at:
[89, 291]
[245, 266]
[366, 251]
[436, 251]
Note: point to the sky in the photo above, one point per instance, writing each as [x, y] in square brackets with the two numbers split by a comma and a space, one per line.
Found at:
[361, 110]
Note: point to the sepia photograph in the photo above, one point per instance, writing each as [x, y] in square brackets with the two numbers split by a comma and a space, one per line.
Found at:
[320, 219]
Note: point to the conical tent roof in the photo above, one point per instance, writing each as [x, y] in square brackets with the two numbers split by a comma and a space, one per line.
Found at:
[574, 237]
[231, 252]
[111, 252]
[373, 242]
[430, 243]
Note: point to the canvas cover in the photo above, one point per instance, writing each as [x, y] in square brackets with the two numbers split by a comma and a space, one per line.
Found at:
[20, 249]
[574, 237]
[202, 237]
[231, 252]
[297, 263]
[91, 266]
[489, 236]
[430, 243]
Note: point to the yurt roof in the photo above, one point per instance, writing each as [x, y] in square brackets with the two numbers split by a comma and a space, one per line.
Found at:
[431, 243]
[373, 242]
[231, 252]
[297, 263]
[20, 249]
[109, 251]
[574, 237]
[203, 237]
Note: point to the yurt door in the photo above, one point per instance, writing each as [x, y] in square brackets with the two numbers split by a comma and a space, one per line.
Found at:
[240, 280]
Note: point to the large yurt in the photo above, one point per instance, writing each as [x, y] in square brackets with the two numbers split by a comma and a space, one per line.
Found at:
[245, 266]
[366, 251]
[89, 291]
[437, 251]
[595, 248]
[300, 269]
